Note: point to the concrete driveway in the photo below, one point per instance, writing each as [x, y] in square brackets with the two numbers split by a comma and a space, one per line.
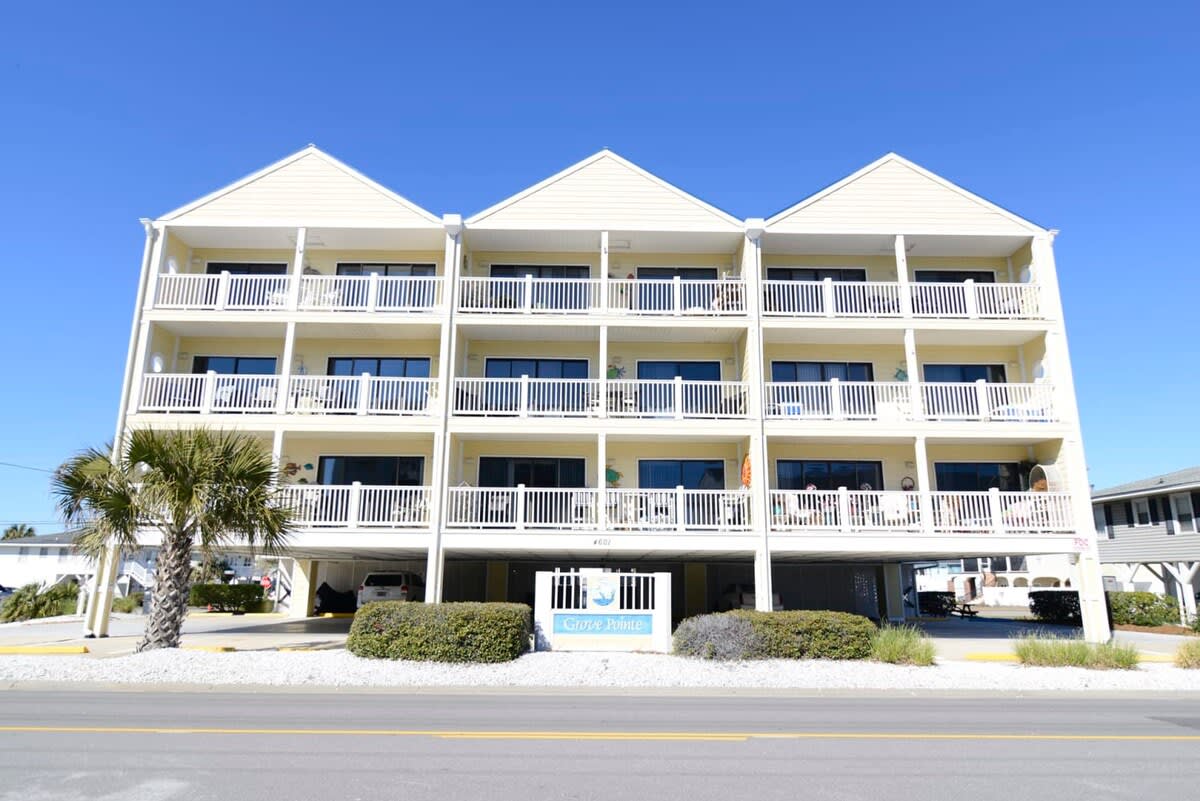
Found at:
[201, 630]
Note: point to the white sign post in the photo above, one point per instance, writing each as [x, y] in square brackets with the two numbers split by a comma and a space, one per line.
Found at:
[595, 610]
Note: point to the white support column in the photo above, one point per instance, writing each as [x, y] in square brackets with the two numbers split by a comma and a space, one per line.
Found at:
[440, 472]
[760, 482]
[297, 269]
[285, 368]
[924, 486]
[893, 592]
[604, 273]
[277, 449]
[140, 362]
[1184, 573]
[912, 369]
[304, 588]
[602, 481]
[602, 371]
[104, 602]
[902, 276]
[1087, 581]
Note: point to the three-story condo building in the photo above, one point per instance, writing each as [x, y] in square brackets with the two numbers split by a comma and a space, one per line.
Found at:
[603, 370]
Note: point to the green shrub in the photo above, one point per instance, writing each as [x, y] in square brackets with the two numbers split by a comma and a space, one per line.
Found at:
[1066, 652]
[1142, 609]
[130, 603]
[719, 636]
[804, 634]
[35, 601]
[226, 597]
[1188, 655]
[935, 604]
[447, 632]
[902, 645]
[1056, 606]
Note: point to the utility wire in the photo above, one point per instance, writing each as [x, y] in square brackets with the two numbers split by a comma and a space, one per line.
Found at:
[25, 467]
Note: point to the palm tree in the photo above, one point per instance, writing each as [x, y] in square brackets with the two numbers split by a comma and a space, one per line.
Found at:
[201, 489]
[18, 531]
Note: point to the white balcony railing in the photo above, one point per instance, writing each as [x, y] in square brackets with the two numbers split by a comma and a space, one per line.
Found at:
[839, 400]
[677, 297]
[677, 399]
[981, 400]
[528, 295]
[317, 292]
[208, 393]
[370, 293]
[526, 397]
[678, 510]
[831, 298]
[522, 508]
[848, 512]
[358, 506]
[363, 395]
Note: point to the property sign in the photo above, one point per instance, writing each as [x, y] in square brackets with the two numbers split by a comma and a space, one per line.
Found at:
[597, 610]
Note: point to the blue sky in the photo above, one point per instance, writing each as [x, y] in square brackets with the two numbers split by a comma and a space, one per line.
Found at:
[1077, 116]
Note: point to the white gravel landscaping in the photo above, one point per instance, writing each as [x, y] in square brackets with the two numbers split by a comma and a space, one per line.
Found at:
[580, 670]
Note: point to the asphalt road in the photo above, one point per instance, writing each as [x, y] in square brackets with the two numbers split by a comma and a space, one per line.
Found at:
[147, 746]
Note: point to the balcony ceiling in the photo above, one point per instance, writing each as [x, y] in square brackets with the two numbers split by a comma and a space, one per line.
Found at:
[554, 241]
[884, 244]
[317, 238]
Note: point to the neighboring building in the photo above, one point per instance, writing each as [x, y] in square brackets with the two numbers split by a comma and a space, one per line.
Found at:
[603, 370]
[52, 558]
[1148, 535]
[997, 580]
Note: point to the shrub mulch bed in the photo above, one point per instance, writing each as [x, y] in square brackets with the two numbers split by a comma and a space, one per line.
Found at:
[1167, 629]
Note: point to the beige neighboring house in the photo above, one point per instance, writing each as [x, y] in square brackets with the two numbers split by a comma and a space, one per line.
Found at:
[998, 580]
[603, 370]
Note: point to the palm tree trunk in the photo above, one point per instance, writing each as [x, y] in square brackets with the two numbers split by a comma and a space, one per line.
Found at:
[168, 602]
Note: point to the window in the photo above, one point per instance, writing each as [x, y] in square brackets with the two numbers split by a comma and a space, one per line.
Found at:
[1102, 518]
[965, 373]
[507, 471]
[970, 565]
[822, 371]
[404, 270]
[657, 399]
[1141, 512]
[536, 368]
[815, 274]
[684, 273]
[954, 276]
[688, 371]
[1016, 564]
[706, 474]
[380, 471]
[243, 268]
[1184, 513]
[977, 476]
[539, 270]
[389, 366]
[829, 475]
[234, 365]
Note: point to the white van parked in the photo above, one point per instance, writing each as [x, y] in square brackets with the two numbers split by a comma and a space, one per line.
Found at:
[391, 587]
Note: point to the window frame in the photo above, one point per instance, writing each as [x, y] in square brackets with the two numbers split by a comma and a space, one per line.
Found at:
[324, 459]
[386, 265]
[804, 479]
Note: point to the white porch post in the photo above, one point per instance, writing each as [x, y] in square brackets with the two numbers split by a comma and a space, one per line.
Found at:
[1184, 573]
[912, 369]
[604, 271]
[602, 481]
[440, 472]
[760, 483]
[893, 592]
[285, 368]
[924, 485]
[297, 269]
[902, 277]
[602, 371]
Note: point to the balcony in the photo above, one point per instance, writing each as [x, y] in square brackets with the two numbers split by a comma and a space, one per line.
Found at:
[885, 299]
[358, 506]
[581, 397]
[646, 297]
[892, 401]
[630, 510]
[225, 292]
[854, 511]
[210, 393]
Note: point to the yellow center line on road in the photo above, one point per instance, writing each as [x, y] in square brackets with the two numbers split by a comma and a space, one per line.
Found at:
[600, 735]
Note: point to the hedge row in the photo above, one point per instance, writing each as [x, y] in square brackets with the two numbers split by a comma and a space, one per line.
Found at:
[1142, 609]
[1056, 606]
[794, 634]
[226, 597]
[446, 632]
[935, 603]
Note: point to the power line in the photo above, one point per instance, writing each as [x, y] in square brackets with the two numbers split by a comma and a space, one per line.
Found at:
[24, 467]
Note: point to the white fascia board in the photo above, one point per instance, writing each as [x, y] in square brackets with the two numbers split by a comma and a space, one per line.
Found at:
[897, 158]
[310, 150]
[478, 217]
[1166, 489]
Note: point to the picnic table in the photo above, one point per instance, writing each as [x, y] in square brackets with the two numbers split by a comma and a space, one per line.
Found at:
[964, 610]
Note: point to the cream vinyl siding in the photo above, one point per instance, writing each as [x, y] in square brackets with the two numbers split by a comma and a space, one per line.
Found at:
[309, 190]
[893, 198]
[603, 194]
